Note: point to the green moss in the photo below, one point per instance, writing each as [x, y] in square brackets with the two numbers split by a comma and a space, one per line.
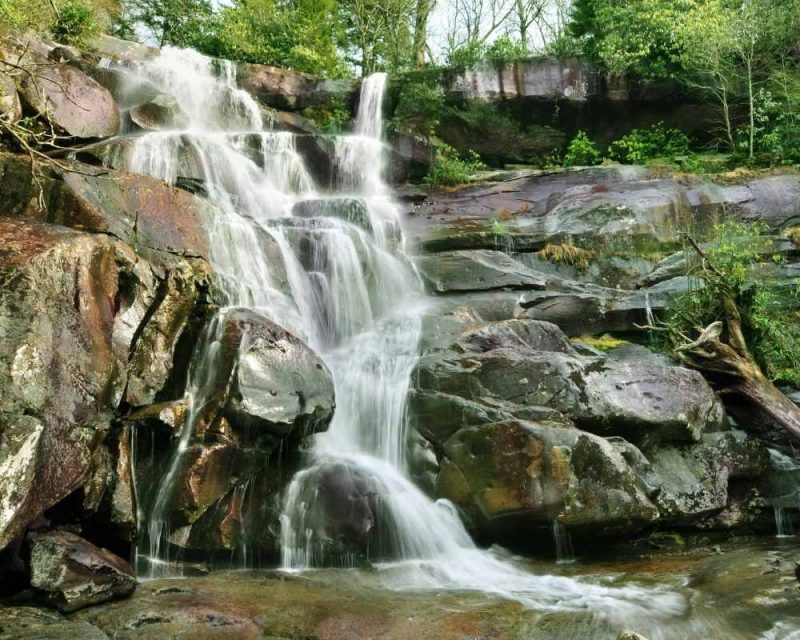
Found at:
[605, 342]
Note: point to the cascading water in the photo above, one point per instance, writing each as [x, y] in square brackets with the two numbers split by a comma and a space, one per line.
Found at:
[341, 281]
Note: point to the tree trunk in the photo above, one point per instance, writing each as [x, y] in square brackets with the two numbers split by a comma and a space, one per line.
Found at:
[752, 107]
[424, 9]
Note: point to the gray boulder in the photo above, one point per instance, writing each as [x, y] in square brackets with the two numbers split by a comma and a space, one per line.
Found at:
[279, 385]
[642, 400]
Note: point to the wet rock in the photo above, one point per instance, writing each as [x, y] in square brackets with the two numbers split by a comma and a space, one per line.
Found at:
[642, 400]
[292, 90]
[71, 573]
[513, 476]
[459, 271]
[695, 480]
[32, 623]
[143, 212]
[630, 635]
[279, 385]
[123, 508]
[352, 210]
[206, 477]
[162, 112]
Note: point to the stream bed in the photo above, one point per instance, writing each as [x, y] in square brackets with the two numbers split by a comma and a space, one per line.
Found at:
[741, 589]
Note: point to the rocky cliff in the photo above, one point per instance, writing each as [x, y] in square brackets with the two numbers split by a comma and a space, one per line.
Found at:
[517, 417]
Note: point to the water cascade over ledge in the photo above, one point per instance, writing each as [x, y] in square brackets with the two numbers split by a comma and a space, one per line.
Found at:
[336, 276]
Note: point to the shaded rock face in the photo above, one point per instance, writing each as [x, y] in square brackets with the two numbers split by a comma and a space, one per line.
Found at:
[103, 283]
[59, 370]
[72, 573]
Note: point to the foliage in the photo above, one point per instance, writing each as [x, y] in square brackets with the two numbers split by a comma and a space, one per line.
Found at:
[773, 318]
[641, 145]
[505, 49]
[582, 152]
[330, 118]
[419, 103]
[377, 34]
[185, 23]
[635, 36]
[448, 168]
[726, 272]
[297, 35]
[75, 23]
[466, 56]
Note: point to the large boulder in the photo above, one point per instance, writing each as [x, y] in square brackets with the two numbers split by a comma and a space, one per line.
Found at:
[696, 481]
[279, 385]
[74, 102]
[512, 477]
[72, 573]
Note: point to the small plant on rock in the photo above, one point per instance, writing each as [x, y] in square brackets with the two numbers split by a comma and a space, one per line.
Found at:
[449, 168]
[582, 152]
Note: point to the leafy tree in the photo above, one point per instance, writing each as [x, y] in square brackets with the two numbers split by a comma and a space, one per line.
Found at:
[297, 35]
[378, 33]
[170, 22]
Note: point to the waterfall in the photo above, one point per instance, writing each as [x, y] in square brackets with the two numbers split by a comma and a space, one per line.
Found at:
[783, 523]
[563, 543]
[344, 284]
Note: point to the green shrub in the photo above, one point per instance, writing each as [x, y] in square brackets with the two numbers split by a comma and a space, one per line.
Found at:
[582, 152]
[448, 168]
[419, 103]
[467, 56]
[641, 145]
[75, 23]
[504, 49]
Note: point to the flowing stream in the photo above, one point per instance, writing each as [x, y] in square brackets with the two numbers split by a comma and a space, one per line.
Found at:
[355, 298]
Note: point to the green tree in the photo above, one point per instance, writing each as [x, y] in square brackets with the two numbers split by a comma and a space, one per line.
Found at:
[734, 51]
[297, 35]
[378, 34]
[183, 23]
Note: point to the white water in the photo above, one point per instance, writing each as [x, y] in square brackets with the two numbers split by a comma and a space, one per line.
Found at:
[355, 298]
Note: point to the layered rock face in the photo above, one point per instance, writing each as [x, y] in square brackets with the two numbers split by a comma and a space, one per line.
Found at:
[530, 426]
